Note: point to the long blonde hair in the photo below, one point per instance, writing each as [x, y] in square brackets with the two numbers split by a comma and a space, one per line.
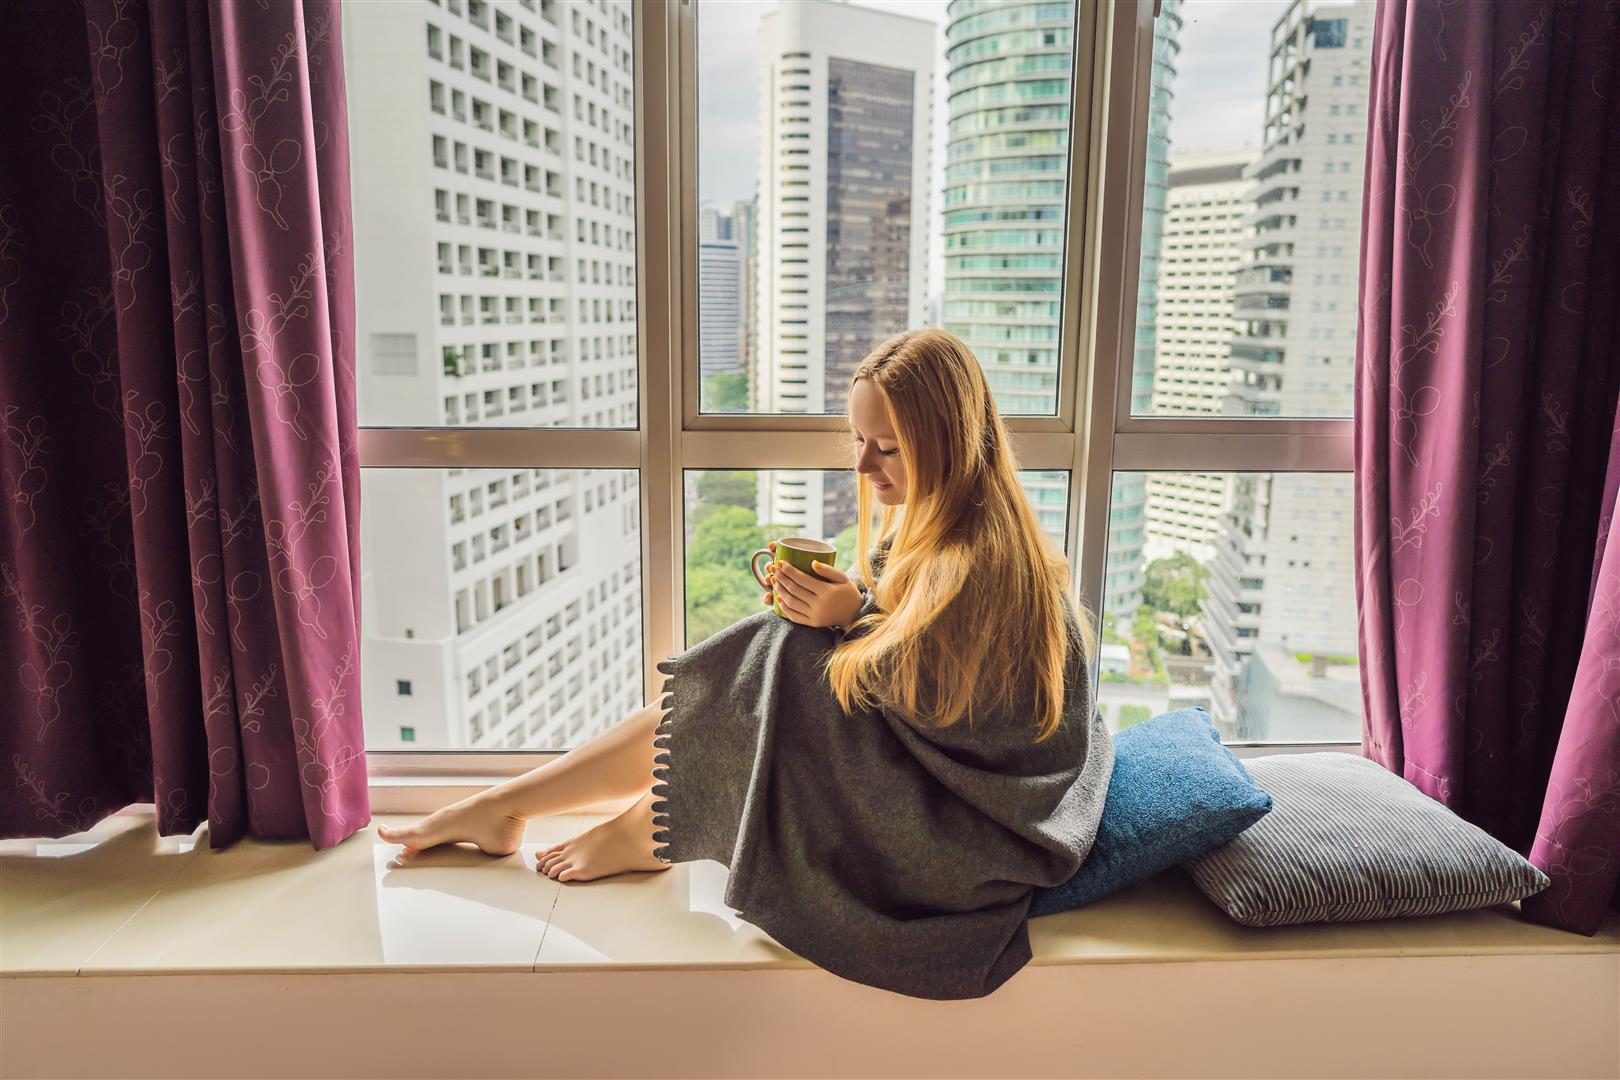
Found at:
[971, 590]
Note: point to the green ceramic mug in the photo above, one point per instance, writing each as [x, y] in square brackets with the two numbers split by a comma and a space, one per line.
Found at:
[796, 551]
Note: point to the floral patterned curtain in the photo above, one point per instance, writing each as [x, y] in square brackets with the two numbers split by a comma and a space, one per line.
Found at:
[1487, 448]
[178, 554]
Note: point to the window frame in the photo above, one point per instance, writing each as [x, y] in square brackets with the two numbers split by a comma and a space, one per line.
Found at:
[1092, 435]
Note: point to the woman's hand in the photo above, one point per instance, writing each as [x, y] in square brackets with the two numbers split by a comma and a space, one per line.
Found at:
[810, 601]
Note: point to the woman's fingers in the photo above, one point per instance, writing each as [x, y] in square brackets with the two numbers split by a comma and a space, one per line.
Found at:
[798, 581]
[830, 573]
[794, 607]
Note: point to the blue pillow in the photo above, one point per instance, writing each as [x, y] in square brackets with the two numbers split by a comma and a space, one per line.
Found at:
[1176, 793]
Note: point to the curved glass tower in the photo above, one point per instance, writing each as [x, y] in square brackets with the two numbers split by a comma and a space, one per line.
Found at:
[1006, 174]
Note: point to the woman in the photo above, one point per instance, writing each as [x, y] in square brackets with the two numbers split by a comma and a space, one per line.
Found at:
[891, 770]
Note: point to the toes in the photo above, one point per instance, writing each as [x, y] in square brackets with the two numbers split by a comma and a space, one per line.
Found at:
[400, 834]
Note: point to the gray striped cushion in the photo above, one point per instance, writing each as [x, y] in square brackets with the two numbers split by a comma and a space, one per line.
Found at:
[1346, 839]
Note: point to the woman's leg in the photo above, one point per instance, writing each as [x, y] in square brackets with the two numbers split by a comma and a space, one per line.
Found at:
[615, 764]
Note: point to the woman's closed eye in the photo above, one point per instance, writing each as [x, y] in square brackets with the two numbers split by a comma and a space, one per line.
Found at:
[885, 453]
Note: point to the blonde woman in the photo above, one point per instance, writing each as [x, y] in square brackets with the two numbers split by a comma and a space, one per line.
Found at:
[891, 770]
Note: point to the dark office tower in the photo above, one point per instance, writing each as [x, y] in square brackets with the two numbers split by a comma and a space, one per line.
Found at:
[869, 125]
[841, 243]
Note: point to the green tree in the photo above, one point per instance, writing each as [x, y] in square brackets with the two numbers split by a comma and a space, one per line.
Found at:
[725, 537]
[1144, 629]
[728, 487]
[716, 597]
[725, 391]
[719, 588]
[1175, 584]
[1133, 714]
[846, 542]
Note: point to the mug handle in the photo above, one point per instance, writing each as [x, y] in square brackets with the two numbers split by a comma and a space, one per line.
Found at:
[753, 565]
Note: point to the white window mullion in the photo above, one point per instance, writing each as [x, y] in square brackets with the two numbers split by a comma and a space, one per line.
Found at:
[665, 152]
[1120, 48]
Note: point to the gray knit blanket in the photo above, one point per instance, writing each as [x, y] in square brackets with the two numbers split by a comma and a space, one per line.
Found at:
[889, 854]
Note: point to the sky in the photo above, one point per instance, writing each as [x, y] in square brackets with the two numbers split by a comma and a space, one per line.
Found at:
[1219, 88]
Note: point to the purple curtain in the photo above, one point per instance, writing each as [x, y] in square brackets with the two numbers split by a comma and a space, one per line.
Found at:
[1487, 449]
[179, 620]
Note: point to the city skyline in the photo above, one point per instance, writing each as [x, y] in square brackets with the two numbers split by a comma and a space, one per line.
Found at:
[1223, 45]
[502, 605]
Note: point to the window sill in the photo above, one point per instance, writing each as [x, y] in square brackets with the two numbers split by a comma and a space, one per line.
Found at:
[121, 899]
[119, 905]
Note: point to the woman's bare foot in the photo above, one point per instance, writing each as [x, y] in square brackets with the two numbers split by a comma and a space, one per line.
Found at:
[476, 819]
[613, 847]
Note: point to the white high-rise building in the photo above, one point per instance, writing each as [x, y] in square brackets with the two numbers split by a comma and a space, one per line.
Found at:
[1283, 571]
[841, 239]
[1207, 201]
[501, 606]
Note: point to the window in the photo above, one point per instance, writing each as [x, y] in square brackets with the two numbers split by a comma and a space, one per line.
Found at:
[1247, 313]
[1183, 354]
[1231, 314]
[402, 687]
[890, 186]
[1247, 606]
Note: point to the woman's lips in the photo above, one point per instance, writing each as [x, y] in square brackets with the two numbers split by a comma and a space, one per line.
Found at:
[881, 484]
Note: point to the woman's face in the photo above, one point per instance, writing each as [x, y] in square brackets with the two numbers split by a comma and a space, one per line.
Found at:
[879, 452]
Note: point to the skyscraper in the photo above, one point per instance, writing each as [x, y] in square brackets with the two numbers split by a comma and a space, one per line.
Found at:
[719, 294]
[1283, 572]
[744, 220]
[846, 113]
[501, 606]
[1010, 64]
[1005, 178]
[1207, 203]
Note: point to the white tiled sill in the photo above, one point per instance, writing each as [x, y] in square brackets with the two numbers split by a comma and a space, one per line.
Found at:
[119, 899]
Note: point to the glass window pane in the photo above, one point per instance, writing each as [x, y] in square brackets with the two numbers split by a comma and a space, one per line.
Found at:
[1252, 210]
[508, 601]
[872, 167]
[1248, 607]
[730, 513]
[494, 214]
